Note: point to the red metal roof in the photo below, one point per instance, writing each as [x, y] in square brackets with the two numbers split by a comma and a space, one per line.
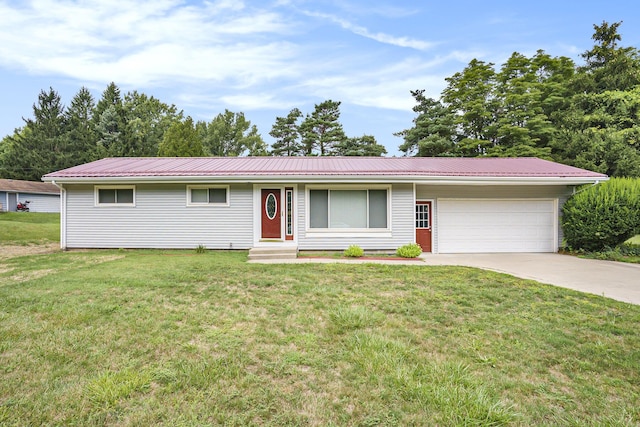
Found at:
[321, 166]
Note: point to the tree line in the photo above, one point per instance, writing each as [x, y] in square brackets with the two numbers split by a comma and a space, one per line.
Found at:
[137, 125]
[543, 106]
[586, 116]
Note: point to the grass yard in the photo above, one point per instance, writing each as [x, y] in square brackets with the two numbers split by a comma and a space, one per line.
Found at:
[139, 338]
[25, 228]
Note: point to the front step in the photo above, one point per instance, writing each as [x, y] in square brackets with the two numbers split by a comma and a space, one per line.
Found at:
[276, 252]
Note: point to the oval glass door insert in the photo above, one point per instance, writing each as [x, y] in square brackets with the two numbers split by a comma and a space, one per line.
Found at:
[271, 206]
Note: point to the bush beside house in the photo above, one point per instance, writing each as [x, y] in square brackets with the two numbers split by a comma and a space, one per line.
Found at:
[602, 216]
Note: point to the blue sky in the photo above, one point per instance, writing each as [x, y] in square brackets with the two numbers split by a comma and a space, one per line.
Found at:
[266, 57]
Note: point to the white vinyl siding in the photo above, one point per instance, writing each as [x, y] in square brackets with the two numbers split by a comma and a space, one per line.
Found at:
[48, 203]
[160, 219]
[43, 202]
[399, 219]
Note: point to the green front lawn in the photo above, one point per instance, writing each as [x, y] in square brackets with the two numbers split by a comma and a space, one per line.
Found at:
[141, 338]
[29, 227]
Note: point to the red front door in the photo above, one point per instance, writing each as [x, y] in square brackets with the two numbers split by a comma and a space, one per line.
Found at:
[423, 225]
[271, 218]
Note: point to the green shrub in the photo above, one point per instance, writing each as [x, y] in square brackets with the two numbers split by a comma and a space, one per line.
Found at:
[602, 216]
[629, 249]
[354, 251]
[200, 249]
[410, 250]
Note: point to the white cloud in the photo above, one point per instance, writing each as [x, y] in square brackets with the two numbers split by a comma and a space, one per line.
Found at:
[379, 37]
[143, 42]
[213, 54]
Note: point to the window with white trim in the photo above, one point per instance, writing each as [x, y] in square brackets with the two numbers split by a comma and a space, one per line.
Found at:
[120, 195]
[348, 208]
[422, 215]
[203, 195]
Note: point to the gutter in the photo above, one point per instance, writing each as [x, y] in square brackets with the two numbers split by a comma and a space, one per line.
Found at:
[63, 215]
[356, 179]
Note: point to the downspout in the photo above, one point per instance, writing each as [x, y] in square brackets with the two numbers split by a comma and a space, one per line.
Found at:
[63, 215]
[585, 188]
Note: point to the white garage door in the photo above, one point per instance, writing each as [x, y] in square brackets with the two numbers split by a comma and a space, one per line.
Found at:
[479, 225]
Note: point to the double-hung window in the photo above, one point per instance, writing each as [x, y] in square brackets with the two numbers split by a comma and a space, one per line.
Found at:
[120, 195]
[201, 195]
[349, 208]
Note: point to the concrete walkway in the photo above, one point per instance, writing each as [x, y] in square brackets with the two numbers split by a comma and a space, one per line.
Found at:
[616, 280]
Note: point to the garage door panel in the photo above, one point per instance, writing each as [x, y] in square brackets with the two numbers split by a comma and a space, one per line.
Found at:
[480, 225]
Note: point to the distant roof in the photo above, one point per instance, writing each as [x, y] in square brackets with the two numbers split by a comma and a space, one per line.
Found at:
[20, 186]
[318, 167]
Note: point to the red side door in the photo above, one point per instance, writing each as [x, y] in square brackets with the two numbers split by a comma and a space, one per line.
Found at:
[423, 225]
[271, 218]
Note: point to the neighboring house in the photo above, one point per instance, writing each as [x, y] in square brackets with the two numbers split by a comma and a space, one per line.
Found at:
[42, 196]
[317, 203]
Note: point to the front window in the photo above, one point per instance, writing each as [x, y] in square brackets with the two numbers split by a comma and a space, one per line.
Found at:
[115, 195]
[348, 209]
[207, 195]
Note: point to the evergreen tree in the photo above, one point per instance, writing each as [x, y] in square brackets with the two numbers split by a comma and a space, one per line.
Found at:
[38, 148]
[110, 97]
[608, 66]
[81, 137]
[434, 130]
[12, 151]
[108, 120]
[109, 130]
[601, 128]
[286, 131]
[321, 130]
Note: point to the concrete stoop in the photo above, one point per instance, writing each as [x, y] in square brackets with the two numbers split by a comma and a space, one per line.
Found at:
[263, 253]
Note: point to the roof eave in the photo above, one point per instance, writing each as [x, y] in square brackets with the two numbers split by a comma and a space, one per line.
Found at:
[408, 179]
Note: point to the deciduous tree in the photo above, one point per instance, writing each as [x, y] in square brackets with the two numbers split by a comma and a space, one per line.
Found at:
[365, 145]
[231, 134]
[181, 140]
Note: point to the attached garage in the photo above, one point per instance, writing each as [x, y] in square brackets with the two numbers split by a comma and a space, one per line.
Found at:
[497, 225]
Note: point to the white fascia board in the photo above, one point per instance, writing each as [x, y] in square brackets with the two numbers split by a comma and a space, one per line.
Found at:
[355, 179]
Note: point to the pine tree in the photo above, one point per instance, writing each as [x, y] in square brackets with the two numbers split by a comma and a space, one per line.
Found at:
[81, 134]
[286, 131]
[434, 129]
[38, 148]
[322, 130]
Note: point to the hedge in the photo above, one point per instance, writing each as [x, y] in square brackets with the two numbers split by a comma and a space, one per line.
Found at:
[602, 216]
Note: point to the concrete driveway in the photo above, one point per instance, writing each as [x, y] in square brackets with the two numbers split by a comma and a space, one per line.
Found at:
[616, 280]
